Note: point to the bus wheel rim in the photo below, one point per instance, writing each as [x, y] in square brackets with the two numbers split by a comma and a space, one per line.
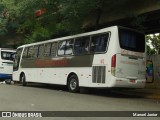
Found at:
[73, 84]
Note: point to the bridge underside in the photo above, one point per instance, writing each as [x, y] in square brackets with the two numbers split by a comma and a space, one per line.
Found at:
[139, 14]
[152, 22]
[149, 23]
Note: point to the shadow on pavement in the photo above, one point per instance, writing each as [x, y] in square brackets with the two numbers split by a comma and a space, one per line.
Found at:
[114, 93]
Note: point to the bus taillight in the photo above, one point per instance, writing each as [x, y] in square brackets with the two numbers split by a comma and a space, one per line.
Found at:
[113, 65]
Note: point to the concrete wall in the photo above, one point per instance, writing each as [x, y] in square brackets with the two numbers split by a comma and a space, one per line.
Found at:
[155, 82]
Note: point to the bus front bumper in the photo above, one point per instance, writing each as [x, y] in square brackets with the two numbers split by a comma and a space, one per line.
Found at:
[5, 76]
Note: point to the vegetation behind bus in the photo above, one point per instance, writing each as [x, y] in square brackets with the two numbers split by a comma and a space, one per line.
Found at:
[153, 44]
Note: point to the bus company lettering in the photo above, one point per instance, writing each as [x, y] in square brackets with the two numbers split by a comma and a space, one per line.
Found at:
[127, 52]
[128, 62]
[50, 63]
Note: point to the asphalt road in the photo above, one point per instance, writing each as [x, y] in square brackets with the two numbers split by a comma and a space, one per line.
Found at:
[57, 98]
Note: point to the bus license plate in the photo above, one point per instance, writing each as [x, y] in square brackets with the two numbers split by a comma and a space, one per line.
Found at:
[132, 81]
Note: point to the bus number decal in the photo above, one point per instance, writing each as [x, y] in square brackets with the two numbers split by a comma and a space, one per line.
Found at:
[128, 62]
[102, 61]
[126, 52]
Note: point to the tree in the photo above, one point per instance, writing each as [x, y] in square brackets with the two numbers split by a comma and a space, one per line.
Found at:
[22, 19]
[154, 41]
[61, 17]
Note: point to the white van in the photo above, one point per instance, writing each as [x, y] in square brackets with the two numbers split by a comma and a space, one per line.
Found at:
[6, 63]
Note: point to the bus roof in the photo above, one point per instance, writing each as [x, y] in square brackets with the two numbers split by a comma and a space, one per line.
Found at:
[77, 35]
[8, 49]
[71, 36]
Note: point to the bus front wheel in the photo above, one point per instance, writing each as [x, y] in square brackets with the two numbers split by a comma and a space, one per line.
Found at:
[73, 84]
[23, 79]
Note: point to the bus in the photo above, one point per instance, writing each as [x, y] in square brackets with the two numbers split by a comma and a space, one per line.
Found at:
[6, 63]
[109, 57]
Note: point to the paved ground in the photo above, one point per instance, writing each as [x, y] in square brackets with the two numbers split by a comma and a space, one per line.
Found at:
[144, 93]
[57, 98]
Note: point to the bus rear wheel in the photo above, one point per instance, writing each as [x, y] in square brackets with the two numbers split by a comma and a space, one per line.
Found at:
[23, 79]
[73, 84]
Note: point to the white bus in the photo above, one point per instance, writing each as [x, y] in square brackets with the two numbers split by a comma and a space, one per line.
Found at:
[6, 63]
[110, 57]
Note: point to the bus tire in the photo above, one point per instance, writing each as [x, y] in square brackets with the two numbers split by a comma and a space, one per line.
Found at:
[73, 84]
[23, 79]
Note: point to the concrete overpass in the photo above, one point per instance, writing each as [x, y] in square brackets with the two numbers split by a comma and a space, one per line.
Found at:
[140, 14]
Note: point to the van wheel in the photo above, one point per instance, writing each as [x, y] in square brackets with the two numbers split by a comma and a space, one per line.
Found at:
[23, 80]
[73, 84]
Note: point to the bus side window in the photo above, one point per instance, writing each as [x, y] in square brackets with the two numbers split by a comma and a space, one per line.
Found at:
[61, 48]
[47, 49]
[65, 47]
[30, 52]
[17, 59]
[40, 51]
[53, 49]
[99, 43]
[25, 52]
[81, 45]
[35, 53]
[69, 47]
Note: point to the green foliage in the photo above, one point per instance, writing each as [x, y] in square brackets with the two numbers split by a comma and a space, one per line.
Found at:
[150, 51]
[39, 34]
[154, 41]
[28, 39]
[3, 29]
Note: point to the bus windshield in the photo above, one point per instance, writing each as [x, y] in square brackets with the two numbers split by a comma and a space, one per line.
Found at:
[7, 55]
[131, 40]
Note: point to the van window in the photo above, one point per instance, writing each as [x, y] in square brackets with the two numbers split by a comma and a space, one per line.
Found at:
[7, 55]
